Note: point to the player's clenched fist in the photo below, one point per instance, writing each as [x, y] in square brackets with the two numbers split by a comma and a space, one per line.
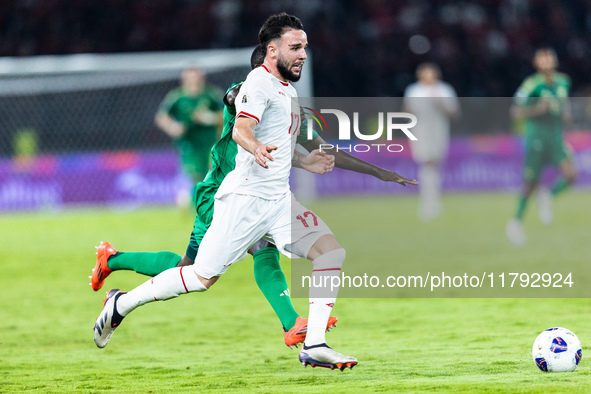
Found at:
[318, 162]
[261, 154]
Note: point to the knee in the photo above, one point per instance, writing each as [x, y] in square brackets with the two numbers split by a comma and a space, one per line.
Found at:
[193, 281]
[568, 171]
[325, 244]
[330, 260]
[207, 283]
[184, 261]
[571, 177]
[530, 187]
[262, 244]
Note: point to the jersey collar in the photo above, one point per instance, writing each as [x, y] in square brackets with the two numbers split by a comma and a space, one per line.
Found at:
[280, 81]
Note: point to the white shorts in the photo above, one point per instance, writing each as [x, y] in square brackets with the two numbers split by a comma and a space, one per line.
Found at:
[432, 144]
[239, 221]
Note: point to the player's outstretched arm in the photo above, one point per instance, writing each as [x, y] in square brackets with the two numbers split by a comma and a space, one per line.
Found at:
[348, 162]
[244, 136]
[317, 161]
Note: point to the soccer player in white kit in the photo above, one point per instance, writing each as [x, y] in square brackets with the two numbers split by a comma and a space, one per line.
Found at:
[434, 103]
[254, 201]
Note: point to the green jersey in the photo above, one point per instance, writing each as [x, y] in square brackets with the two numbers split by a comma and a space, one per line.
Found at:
[556, 91]
[544, 143]
[195, 144]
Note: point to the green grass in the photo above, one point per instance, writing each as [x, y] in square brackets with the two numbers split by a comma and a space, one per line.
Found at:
[228, 339]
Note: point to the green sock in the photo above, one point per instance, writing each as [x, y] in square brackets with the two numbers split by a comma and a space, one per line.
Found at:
[522, 203]
[271, 281]
[560, 186]
[145, 263]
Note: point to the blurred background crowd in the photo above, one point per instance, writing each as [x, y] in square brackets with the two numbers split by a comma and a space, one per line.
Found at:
[360, 47]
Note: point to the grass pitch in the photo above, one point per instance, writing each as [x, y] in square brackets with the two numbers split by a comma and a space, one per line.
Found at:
[229, 340]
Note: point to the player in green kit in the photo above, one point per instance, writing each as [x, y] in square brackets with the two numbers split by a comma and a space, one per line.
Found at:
[191, 115]
[267, 269]
[542, 101]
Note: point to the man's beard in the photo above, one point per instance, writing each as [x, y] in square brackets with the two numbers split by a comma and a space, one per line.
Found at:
[285, 72]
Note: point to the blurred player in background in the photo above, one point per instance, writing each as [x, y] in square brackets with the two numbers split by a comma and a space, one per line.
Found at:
[191, 115]
[434, 103]
[542, 100]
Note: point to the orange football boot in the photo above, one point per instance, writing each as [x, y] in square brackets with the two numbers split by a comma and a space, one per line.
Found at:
[298, 332]
[101, 269]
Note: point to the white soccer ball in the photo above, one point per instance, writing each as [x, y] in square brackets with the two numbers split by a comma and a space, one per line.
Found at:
[557, 350]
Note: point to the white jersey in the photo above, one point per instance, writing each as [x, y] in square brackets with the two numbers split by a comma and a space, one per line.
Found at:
[267, 100]
[429, 103]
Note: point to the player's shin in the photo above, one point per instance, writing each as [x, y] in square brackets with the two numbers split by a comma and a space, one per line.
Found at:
[150, 264]
[271, 281]
[169, 284]
[521, 205]
[324, 287]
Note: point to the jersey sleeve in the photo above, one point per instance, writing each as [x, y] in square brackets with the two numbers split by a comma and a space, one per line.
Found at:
[409, 91]
[449, 90]
[409, 99]
[168, 103]
[253, 98]
[525, 91]
[451, 101]
[303, 136]
[564, 85]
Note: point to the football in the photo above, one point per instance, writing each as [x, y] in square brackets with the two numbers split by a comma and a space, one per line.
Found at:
[557, 350]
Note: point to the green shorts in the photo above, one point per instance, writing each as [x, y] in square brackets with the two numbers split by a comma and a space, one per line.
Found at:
[540, 152]
[199, 230]
[204, 200]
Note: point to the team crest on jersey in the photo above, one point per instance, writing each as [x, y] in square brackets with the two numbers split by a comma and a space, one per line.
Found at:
[244, 99]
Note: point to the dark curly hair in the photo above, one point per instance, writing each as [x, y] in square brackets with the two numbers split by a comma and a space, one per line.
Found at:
[275, 26]
[258, 57]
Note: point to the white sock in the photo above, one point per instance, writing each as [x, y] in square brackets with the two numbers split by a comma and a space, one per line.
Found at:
[164, 286]
[322, 299]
